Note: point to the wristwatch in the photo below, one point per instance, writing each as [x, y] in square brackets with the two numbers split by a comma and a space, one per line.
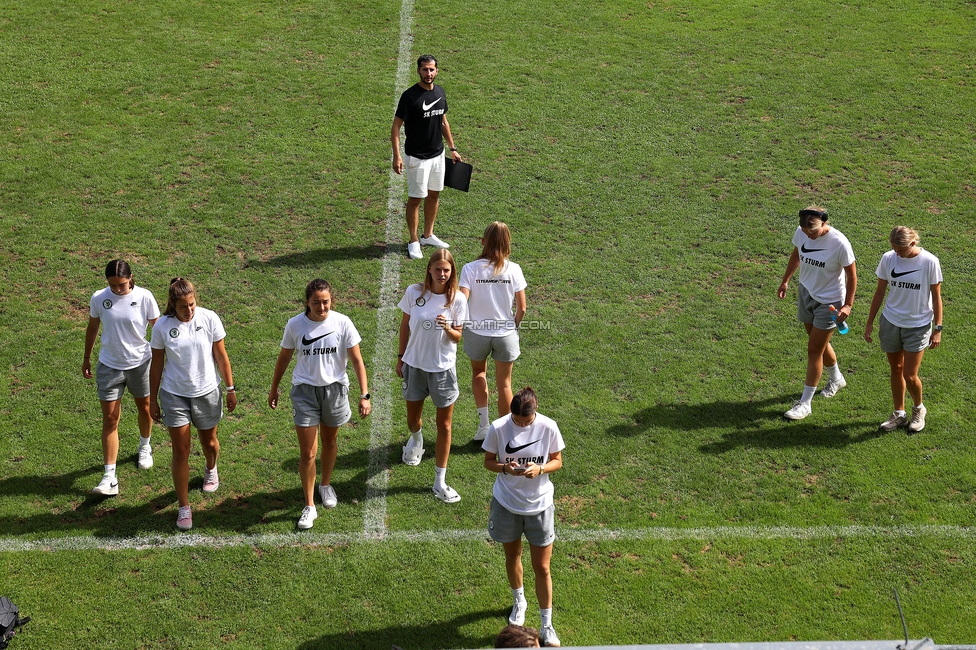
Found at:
[937, 328]
[364, 397]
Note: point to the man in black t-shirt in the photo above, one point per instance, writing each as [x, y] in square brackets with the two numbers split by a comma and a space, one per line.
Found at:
[422, 111]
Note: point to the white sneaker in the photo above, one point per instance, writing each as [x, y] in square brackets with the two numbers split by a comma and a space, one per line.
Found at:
[894, 422]
[918, 419]
[145, 457]
[798, 412]
[832, 387]
[481, 434]
[307, 520]
[413, 250]
[210, 480]
[328, 496]
[184, 518]
[434, 241]
[517, 617]
[548, 637]
[109, 486]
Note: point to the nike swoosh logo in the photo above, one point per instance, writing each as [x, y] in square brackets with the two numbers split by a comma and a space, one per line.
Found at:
[509, 449]
[811, 250]
[116, 484]
[308, 341]
[896, 274]
[427, 106]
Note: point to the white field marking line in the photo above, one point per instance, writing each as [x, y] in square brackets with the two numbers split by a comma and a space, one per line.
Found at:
[566, 535]
[381, 426]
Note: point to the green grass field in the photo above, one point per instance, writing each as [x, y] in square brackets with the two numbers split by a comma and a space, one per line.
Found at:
[650, 158]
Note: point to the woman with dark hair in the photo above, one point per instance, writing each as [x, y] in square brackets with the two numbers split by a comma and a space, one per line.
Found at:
[124, 312]
[828, 280]
[492, 284]
[320, 388]
[912, 278]
[185, 389]
[524, 448]
[430, 329]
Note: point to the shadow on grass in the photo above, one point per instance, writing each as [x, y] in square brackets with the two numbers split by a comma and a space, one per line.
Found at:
[323, 256]
[234, 508]
[443, 634]
[757, 424]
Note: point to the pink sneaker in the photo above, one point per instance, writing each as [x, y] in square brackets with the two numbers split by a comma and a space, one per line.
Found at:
[184, 520]
[210, 480]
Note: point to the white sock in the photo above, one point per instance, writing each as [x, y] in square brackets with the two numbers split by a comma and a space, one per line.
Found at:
[110, 470]
[900, 413]
[833, 372]
[919, 406]
[808, 393]
[439, 474]
[483, 416]
[144, 442]
[546, 616]
[416, 438]
[518, 594]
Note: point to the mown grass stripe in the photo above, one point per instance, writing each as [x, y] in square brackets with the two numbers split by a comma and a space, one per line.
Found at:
[310, 538]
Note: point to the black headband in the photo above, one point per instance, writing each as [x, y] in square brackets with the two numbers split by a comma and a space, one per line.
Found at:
[812, 212]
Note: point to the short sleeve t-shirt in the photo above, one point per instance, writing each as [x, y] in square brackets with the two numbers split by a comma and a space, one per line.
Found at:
[321, 348]
[910, 280]
[491, 296]
[822, 262]
[190, 370]
[429, 348]
[125, 320]
[421, 111]
[524, 445]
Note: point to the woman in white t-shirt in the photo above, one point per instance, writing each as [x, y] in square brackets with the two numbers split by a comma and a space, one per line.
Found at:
[325, 341]
[524, 448]
[187, 353]
[828, 280]
[430, 329]
[492, 283]
[912, 278]
[124, 312]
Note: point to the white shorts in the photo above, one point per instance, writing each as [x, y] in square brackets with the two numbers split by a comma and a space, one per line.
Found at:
[424, 174]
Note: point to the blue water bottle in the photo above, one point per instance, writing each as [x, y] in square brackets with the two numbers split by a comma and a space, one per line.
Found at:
[842, 327]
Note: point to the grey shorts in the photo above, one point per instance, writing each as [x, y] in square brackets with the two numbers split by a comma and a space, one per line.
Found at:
[442, 387]
[501, 348]
[203, 412]
[896, 339]
[112, 383]
[312, 405]
[808, 310]
[505, 526]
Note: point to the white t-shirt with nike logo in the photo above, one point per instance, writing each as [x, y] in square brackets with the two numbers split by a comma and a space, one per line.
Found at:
[534, 443]
[321, 349]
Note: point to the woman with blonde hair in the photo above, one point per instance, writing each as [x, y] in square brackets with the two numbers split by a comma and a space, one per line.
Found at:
[828, 280]
[492, 283]
[911, 320]
[185, 388]
[430, 329]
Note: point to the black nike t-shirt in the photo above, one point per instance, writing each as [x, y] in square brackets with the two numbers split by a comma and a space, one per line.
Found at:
[421, 112]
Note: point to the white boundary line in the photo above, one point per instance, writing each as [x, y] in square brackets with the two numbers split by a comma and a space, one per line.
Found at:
[567, 535]
[381, 426]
